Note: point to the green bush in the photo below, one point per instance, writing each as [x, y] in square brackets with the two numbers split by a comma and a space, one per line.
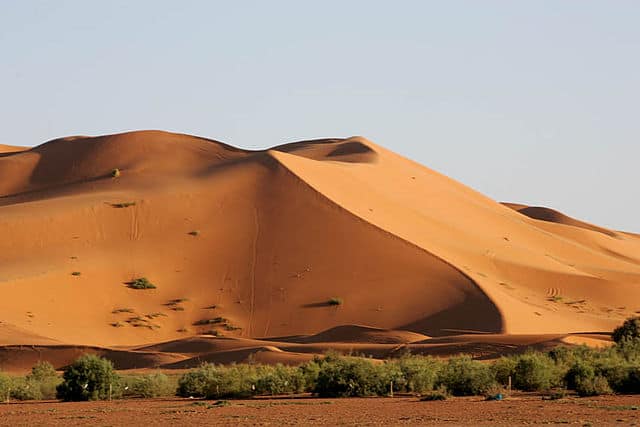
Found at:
[628, 349]
[419, 373]
[5, 387]
[535, 372]
[23, 389]
[46, 378]
[503, 368]
[150, 385]
[628, 331]
[279, 379]
[463, 376]
[141, 283]
[335, 301]
[194, 383]
[592, 386]
[346, 377]
[215, 382]
[88, 378]
[232, 381]
[581, 370]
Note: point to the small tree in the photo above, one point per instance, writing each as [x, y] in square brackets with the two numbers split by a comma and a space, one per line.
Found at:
[44, 376]
[535, 372]
[5, 387]
[628, 331]
[88, 378]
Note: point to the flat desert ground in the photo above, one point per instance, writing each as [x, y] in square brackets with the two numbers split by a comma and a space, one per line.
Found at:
[468, 411]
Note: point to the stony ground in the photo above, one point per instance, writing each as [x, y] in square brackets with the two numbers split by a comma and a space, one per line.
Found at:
[518, 410]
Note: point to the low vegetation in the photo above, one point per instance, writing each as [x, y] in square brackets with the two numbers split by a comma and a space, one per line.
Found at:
[147, 386]
[115, 173]
[123, 205]
[581, 370]
[88, 378]
[140, 283]
[335, 301]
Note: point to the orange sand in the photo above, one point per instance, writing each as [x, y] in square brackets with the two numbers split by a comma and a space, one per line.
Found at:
[274, 235]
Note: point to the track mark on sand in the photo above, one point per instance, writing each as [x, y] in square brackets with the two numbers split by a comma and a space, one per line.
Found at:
[553, 292]
[253, 269]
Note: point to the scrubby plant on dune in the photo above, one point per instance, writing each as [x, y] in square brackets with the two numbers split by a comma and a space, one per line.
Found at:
[122, 205]
[140, 283]
[335, 301]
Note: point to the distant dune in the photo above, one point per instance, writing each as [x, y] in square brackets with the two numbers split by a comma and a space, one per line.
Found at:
[255, 244]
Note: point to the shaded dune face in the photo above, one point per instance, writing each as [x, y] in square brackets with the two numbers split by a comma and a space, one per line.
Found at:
[256, 244]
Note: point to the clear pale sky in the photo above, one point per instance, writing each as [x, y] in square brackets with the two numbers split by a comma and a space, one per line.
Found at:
[526, 101]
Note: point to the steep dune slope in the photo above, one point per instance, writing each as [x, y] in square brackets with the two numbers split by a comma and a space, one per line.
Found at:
[256, 243]
[517, 262]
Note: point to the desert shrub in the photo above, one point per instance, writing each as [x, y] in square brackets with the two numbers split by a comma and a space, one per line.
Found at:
[347, 376]
[335, 301]
[5, 387]
[629, 349]
[232, 381]
[194, 382]
[418, 373]
[567, 355]
[463, 376]
[88, 378]
[628, 331]
[115, 173]
[141, 283]
[623, 378]
[503, 368]
[310, 372]
[214, 321]
[23, 389]
[535, 372]
[580, 371]
[592, 386]
[42, 371]
[437, 394]
[150, 385]
[45, 377]
[279, 379]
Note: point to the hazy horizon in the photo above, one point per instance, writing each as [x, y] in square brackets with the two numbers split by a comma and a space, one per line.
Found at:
[528, 102]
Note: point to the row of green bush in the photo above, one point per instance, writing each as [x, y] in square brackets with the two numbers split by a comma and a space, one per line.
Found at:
[585, 370]
[88, 378]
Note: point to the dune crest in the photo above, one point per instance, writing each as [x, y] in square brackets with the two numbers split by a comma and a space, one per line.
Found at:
[295, 240]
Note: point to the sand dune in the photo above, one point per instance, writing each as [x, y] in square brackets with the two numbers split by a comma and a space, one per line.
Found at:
[356, 333]
[254, 244]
